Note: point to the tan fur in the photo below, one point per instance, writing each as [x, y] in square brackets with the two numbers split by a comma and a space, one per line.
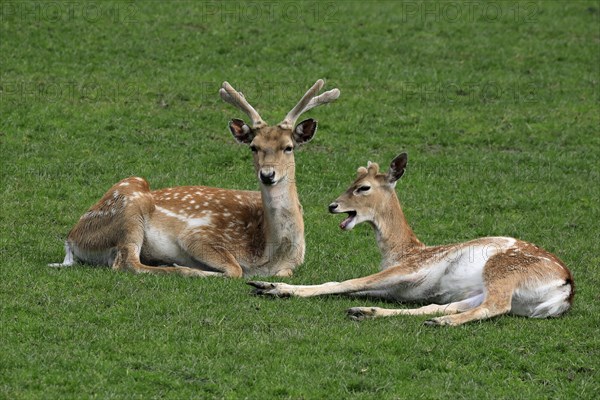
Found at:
[474, 280]
[204, 231]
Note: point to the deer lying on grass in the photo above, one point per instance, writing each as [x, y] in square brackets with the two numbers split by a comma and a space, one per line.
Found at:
[468, 281]
[204, 231]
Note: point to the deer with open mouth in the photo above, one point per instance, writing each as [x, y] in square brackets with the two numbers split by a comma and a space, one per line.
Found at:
[464, 282]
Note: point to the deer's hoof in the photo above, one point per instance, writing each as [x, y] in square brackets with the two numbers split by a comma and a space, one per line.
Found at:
[267, 289]
[440, 321]
[261, 285]
[360, 313]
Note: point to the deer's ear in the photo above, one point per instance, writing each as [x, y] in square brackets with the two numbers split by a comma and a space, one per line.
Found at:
[397, 167]
[305, 130]
[240, 131]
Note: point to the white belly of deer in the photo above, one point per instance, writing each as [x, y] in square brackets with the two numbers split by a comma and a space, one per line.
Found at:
[164, 248]
[453, 276]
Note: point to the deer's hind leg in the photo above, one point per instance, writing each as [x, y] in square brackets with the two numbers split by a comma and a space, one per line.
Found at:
[132, 238]
[111, 232]
[488, 309]
[128, 259]
[504, 285]
[360, 313]
[497, 300]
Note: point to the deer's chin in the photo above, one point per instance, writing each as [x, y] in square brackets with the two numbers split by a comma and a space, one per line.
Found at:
[270, 184]
[349, 223]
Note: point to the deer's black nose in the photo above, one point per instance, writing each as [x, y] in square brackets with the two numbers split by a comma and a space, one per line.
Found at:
[333, 207]
[268, 178]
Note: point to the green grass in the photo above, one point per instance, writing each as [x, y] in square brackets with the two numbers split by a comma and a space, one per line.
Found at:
[496, 103]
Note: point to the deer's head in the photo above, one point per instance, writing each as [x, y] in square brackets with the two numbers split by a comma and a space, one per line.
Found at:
[370, 193]
[273, 146]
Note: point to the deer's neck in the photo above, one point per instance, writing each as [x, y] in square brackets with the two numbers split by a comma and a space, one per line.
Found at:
[283, 213]
[395, 237]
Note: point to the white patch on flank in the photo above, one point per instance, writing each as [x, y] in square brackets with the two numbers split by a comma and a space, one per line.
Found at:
[198, 222]
[124, 184]
[460, 272]
[170, 213]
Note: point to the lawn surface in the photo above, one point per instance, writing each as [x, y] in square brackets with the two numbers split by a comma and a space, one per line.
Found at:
[497, 104]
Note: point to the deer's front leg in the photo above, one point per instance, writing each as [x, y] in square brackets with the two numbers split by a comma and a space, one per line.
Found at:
[383, 282]
[280, 289]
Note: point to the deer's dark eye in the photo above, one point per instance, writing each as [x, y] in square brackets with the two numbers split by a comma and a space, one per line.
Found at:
[288, 149]
[253, 148]
[363, 189]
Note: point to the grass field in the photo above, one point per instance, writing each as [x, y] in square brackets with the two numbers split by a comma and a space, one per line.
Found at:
[497, 104]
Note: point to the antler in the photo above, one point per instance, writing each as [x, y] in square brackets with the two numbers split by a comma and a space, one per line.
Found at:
[309, 101]
[237, 99]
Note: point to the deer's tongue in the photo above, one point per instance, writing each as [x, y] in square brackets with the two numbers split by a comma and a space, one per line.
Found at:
[348, 223]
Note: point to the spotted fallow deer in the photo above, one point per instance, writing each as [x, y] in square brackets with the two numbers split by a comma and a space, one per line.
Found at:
[204, 231]
[467, 281]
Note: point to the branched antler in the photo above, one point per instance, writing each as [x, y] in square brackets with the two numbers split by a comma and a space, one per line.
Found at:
[237, 99]
[308, 101]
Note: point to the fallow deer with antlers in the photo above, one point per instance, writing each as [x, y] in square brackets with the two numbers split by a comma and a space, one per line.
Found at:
[467, 281]
[205, 231]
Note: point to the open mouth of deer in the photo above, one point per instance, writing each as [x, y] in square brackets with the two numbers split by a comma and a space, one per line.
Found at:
[349, 222]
